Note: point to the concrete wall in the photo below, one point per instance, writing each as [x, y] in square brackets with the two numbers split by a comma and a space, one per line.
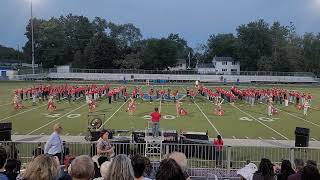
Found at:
[180, 77]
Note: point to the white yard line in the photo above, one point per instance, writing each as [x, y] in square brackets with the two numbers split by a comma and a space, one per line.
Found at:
[246, 137]
[22, 112]
[56, 119]
[5, 104]
[261, 122]
[314, 139]
[67, 134]
[234, 137]
[15, 133]
[273, 138]
[260, 138]
[205, 116]
[208, 119]
[113, 115]
[315, 124]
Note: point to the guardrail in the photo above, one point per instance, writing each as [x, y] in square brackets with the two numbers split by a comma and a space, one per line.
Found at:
[141, 71]
[202, 158]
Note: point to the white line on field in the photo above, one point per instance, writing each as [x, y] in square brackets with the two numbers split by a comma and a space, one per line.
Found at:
[314, 139]
[246, 137]
[5, 104]
[205, 116]
[56, 119]
[315, 124]
[234, 137]
[15, 133]
[42, 134]
[260, 138]
[208, 119]
[261, 122]
[160, 105]
[67, 134]
[113, 115]
[22, 112]
[273, 138]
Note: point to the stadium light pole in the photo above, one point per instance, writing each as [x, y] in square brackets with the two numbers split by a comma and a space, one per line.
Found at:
[32, 39]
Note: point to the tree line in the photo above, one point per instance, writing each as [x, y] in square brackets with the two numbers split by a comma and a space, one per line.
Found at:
[98, 44]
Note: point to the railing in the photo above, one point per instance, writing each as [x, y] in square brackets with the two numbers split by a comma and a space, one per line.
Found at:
[141, 71]
[202, 158]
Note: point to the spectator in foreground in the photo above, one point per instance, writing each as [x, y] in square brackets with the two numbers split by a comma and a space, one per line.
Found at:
[138, 165]
[218, 143]
[169, 170]
[247, 172]
[82, 168]
[38, 151]
[104, 168]
[67, 162]
[43, 167]
[182, 161]
[265, 171]
[299, 164]
[310, 172]
[149, 172]
[120, 168]
[285, 171]
[54, 144]
[3, 159]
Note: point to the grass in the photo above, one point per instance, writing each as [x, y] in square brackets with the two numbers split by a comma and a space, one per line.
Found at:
[74, 116]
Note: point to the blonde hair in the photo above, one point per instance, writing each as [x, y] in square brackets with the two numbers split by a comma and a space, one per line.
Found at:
[43, 167]
[180, 158]
[120, 168]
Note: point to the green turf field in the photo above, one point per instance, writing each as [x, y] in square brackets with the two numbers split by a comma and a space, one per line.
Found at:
[241, 121]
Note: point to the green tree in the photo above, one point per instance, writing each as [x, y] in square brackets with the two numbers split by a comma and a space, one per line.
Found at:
[254, 41]
[101, 52]
[158, 54]
[221, 45]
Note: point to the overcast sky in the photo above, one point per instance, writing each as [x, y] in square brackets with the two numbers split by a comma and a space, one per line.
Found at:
[194, 20]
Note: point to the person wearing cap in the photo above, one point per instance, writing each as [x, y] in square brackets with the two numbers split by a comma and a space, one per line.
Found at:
[54, 144]
[104, 147]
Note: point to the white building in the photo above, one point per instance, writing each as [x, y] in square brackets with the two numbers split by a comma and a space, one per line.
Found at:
[220, 65]
[181, 65]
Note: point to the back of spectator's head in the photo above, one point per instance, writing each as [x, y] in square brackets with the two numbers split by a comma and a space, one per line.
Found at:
[120, 168]
[310, 172]
[312, 162]
[169, 170]
[286, 166]
[138, 165]
[299, 164]
[82, 168]
[3, 157]
[42, 167]
[181, 159]
[266, 168]
[102, 159]
[67, 161]
[104, 168]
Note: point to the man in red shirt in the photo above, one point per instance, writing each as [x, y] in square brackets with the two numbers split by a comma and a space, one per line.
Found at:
[155, 119]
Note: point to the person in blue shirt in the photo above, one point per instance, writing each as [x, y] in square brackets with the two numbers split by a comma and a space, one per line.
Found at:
[54, 144]
[3, 160]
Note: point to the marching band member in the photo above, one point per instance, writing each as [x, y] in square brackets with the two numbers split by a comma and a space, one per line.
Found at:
[131, 106]
[51, 107]
[306, 105]
[270, 106]
[218, 110]
[17, 102]
[180, 111]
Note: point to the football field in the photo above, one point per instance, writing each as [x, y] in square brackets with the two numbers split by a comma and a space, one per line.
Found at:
[241, 120]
